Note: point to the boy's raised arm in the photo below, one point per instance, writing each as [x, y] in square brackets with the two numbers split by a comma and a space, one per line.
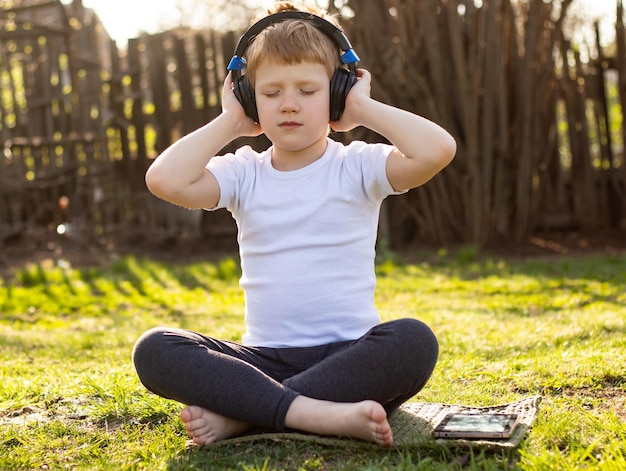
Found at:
[179, 174]
[423, 148]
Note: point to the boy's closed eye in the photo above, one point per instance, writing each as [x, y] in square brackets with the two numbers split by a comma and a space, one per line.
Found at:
[275, 93]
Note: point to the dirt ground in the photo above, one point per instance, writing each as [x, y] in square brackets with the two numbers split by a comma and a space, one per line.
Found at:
[564, 244]
[79, 253]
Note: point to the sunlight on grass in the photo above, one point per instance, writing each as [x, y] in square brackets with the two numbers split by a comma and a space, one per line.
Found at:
[69, 396]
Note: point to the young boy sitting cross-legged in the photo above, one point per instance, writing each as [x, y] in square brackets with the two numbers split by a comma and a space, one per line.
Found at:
[315, 356]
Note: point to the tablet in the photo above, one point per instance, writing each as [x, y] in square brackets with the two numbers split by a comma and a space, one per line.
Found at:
[476, 426]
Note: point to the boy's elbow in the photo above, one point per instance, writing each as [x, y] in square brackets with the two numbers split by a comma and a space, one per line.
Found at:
[448, 150]
[155, 180]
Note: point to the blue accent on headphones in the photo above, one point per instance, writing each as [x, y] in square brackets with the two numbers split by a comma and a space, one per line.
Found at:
[236, 63]
[349, 57]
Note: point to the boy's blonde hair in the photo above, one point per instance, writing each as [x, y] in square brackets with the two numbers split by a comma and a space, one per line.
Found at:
[293, 41]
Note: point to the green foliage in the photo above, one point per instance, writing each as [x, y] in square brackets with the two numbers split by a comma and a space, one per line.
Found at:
[69, 397]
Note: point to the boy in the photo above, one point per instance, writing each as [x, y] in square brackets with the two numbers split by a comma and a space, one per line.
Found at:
[315, 356]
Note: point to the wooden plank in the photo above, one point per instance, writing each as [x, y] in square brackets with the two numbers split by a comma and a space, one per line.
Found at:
[137, 119]
[222, 50]
[620, 40]
[159, 89]
[116, 105]
[185, 87]
[203, 77]
[466, 97]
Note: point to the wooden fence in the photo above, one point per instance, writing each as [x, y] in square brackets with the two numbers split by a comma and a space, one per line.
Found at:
[539, 126]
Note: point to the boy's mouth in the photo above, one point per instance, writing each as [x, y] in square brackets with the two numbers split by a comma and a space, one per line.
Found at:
[289, 125]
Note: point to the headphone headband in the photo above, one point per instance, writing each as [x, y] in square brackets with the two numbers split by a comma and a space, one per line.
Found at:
[349, 57]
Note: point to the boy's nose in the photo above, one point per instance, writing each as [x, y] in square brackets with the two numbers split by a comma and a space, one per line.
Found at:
[289, 103]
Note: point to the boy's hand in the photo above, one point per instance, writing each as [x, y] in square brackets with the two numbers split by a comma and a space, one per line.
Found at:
[231, 107]
[422, 148]
[359, 93]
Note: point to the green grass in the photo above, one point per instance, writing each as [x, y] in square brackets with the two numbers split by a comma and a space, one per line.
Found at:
[69, 398]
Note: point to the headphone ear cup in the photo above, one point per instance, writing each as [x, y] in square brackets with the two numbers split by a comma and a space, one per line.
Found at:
[340, 84]
[244, 91]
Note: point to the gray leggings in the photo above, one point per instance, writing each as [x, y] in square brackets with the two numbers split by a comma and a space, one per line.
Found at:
[389, 364]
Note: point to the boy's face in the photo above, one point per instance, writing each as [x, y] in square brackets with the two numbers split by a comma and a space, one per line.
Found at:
[293, 102]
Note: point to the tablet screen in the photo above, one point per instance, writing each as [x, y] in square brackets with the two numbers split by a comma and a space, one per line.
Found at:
[486, 423]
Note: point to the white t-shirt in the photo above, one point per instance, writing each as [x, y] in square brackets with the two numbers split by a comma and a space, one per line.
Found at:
[307, 241]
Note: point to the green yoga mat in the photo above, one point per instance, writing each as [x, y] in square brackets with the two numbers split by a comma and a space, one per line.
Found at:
[413, 424]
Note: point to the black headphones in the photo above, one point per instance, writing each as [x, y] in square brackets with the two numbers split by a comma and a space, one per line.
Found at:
[340, 83]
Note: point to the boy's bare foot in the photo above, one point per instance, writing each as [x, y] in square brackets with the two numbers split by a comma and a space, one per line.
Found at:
[206, 427]
[366, 420]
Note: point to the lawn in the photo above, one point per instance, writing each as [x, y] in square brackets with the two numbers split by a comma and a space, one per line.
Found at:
[69, 398]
